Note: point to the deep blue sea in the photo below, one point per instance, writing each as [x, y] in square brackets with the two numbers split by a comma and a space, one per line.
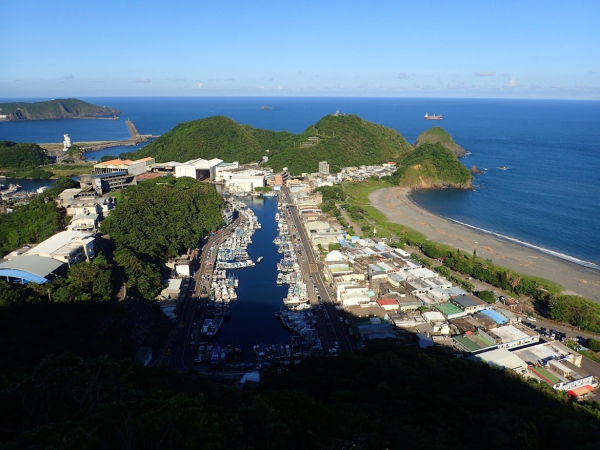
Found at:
[549, 197]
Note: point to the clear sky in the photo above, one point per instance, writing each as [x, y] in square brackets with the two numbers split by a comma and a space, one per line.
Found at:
[493, 49]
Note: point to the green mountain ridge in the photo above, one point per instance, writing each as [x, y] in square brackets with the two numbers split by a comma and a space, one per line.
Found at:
[344, 140]
[70, 108]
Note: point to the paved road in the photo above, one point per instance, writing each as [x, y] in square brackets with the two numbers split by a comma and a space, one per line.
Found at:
[316, 273]
[181, 354]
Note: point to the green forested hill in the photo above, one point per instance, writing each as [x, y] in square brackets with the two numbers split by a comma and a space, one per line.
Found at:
[214, 137]
[430, 166]
[437, 135]
[342, 141]
[54, 109]
[22, 155]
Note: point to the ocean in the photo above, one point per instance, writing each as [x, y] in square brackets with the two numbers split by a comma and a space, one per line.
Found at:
[547, 198]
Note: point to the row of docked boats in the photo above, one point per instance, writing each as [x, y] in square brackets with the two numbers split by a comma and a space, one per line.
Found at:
[208, 352]
[231, 254]
[297, 315]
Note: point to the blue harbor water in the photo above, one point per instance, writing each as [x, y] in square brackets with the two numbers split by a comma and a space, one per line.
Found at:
[547, 197]
[252, 314]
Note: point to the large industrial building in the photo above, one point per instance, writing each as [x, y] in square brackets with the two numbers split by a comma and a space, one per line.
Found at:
[198, 169]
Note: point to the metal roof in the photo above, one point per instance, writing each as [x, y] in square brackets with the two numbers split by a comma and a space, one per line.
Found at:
[30, 267]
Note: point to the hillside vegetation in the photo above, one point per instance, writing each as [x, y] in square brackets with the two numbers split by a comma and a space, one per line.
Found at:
[437, 135]
[383, 397]
[430, 166]
[214, 137]
[34, 222]
[55, 109]
[342, 141]
[19, 155]
[157, 220]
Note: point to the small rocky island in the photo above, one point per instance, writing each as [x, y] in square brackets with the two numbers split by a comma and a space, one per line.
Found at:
[70, 108]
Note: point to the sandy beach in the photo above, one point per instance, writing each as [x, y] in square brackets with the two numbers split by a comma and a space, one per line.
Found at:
[397, 206]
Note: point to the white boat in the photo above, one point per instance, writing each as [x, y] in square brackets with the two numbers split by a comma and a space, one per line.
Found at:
[259, 259]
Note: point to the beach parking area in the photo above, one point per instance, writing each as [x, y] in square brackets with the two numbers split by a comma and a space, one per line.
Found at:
[396, 204]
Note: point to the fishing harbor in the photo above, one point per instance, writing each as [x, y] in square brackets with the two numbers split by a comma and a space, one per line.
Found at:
[254, 304]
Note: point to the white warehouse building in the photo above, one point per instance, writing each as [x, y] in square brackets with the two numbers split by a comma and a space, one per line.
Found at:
[198, 169]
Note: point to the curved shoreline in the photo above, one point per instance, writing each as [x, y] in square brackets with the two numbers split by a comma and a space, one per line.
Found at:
[508, 252]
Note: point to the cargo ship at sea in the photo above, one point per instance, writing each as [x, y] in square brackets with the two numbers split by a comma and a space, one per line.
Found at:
[432, 117]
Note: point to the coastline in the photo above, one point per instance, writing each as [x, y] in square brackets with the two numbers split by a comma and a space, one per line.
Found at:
[578, 279]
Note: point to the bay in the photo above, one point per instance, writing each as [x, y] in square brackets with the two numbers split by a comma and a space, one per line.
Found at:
[548, 197]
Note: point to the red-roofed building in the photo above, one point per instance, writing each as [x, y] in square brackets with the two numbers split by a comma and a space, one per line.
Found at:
[137, 167]
[149, 176]
[389, 304]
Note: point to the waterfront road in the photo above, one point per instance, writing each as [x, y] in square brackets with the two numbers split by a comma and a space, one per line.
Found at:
[178, 351]
[315, 272]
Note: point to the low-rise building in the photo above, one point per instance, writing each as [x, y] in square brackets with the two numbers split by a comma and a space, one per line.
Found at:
[508, 336]
[469, 303]
[69, 247]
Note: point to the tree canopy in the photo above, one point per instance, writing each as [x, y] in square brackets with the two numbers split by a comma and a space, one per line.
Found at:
[34, 222]
[21, 155]
[381, 397]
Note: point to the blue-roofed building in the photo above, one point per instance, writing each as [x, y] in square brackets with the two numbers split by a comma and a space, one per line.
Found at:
[25, 269]
[495, 316]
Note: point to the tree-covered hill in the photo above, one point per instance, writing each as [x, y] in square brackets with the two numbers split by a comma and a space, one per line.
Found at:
[437, 135]
[345, 140]
[22, 155]
[386, 396]
[157, 220]
[342, 141]
[214, 137]
[55, 109]
[431, 166]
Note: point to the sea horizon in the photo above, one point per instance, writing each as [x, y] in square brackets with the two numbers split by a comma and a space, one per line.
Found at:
[546, 198]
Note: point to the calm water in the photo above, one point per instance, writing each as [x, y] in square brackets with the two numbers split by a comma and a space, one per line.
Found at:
[548, 197]
[252, 321]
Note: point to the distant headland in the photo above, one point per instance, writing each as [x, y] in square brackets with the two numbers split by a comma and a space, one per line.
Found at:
[70, 108]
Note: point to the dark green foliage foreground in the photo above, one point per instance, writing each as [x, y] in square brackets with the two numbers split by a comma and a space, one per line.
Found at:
[343, 141]
[384, 397]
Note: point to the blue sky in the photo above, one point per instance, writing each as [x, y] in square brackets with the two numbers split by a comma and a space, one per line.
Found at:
[501, 49]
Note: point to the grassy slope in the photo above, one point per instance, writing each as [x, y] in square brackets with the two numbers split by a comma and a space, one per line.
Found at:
[439, 135]
[432, 165]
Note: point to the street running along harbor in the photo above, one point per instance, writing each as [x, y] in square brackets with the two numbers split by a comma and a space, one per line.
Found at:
[576, 277]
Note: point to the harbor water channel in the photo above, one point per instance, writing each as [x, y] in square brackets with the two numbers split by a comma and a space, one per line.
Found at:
[252, 320]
